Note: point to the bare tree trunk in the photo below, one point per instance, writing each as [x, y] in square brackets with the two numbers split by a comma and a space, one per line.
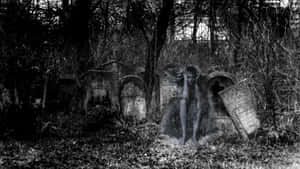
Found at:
[66, 12]
[195, 26]
[77, 35]
[212, 24]
[149, 78]
[154, 49]
[106, 24]
[239, 35]
[172, 26]
[260, 9]
[45, 89]
[77, 47]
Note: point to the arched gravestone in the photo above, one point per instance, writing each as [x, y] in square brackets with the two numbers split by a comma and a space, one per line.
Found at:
[101, 90]
[132, 98]
[219, 81]
[211, 121]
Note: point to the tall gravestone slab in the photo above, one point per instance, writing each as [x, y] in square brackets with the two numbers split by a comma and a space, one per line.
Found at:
[168, 90]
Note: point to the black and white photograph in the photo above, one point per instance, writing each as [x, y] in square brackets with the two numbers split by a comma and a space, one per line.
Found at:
[149, 84]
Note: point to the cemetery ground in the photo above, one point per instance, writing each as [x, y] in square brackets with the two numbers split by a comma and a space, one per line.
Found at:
[82, 143]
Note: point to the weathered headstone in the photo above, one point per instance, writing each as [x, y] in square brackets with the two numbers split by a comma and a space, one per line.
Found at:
[5, 99]
[133, 101]
[168, 90]
[101, 89]
[219, 81]
[239, 102]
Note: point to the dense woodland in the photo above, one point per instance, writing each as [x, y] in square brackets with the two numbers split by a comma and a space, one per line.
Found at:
[52, 50]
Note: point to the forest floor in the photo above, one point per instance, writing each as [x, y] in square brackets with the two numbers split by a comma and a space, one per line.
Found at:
[141, 147]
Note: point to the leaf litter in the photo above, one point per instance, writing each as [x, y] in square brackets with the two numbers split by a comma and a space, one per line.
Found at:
[140, 147]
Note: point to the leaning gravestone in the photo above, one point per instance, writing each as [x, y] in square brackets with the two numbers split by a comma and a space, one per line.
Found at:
[239, 102]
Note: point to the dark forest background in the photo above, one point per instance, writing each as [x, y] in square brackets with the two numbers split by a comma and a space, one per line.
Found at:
[55, 55]
[50, 51]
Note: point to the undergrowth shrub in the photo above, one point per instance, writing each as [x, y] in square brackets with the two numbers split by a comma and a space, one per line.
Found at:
[272, 69]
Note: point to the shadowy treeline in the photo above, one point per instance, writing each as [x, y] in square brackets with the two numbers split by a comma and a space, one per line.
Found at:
[53, 54]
